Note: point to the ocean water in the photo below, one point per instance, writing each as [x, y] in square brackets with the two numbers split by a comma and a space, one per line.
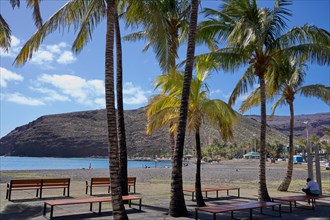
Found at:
[45, 163]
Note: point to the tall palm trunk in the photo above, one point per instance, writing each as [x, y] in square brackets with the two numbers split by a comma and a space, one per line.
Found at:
[177, 206]
[287, 180]
[117, 202]
[120, 110]
[262, 191]
[198, 188]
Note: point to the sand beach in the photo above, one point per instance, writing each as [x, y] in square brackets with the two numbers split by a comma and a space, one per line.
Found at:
[154, 185]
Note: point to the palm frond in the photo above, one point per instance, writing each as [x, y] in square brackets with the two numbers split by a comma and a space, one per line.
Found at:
[321, 92]
[246, 81]
[5, 34]
[279, 102]
[96, 12]
[36, 12]
[70, 14]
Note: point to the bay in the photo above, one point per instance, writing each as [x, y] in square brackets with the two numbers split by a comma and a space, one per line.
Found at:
[49, 163]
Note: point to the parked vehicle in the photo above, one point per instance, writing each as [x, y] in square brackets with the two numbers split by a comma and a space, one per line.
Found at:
[297, 159]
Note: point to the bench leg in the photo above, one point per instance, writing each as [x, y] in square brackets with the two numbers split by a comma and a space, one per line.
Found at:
[196, 214]
[291, 206]
[37, 192]
[51, 212]
[238, 192]
[232, 214]
[86, 192]
[214, 216]
[217, 194]
[90, 191]
[206, 194]
[134, 189]
[100, 206]
[40, 193]
[140, 204]
[280, 210]
[45, 207]
[261, 211]
[69, 191]
[250, 214]
[130, 203]
[227, 192]
[192, 196]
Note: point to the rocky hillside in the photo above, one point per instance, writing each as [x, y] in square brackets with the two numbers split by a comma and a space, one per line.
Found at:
[83, 134]
[317, 124]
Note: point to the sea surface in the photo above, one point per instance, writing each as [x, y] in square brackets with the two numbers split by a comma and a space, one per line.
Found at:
[45, 163]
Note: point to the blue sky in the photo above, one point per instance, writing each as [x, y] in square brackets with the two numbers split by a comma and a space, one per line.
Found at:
[56, 81]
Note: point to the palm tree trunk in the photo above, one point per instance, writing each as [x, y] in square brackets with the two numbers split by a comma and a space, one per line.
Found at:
[120, 110]
[118, 208]
[287, 180]
[177, 207]
[198, 188]
[262, 191]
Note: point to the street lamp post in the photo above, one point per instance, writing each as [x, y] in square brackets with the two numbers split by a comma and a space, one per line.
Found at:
[309, 155]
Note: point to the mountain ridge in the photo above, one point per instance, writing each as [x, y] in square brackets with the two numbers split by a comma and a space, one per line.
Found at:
[83, 134]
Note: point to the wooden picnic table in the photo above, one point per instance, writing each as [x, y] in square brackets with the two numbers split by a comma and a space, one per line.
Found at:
[237, 207]
[213, 189]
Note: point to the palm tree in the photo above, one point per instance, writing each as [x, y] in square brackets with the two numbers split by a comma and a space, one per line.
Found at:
[85, 16]
[163, 110]
[289, 87]
[5, 32]
[287, 84]
[255, 37]
[120, 108]
[177, 203]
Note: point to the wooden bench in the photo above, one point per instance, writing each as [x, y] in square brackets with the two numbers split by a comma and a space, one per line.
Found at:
[213, 189]
[237, 207]
[290, 199]
[90, 200]
[106, 182]
[38, 185]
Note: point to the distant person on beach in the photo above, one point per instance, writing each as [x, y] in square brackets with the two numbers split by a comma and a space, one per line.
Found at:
[312, 188]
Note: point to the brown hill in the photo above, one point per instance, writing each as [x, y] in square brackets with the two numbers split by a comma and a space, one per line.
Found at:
[317, 124]
[83, 134]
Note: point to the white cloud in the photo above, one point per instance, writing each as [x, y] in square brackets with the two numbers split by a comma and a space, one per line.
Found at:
[21, 99]
[15, 41]
[51, 95]
[75, 88]
[134, 95]
[42, 57]
[66, 58]
[7, 75]
[56, 48]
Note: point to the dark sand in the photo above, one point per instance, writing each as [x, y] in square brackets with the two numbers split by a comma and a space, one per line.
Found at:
[154, 185]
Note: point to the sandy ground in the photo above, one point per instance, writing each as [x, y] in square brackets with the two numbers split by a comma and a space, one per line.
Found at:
[154, 185]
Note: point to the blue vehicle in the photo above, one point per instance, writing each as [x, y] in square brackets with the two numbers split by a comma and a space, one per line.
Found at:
[297, 159]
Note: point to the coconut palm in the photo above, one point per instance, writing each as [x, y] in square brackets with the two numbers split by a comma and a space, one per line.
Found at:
[287, 85]
[5, 32]
[255, 38]
[163, 110]
[177, 203]
[85, 16]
